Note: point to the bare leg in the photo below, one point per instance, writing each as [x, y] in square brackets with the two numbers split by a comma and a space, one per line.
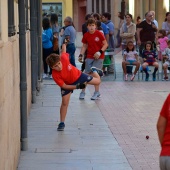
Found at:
[124, 67]
[64, 106]
[137, 67]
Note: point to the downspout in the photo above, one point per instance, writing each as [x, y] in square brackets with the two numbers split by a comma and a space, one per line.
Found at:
[39, 23]
[23, 74]
[34, 50]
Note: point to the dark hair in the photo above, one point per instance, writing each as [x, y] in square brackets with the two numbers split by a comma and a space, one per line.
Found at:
[149, 42]
[46, 23]
[87, 16]
[96, 15]
[107, 15]
[52, 59]
[163, 32]
[98, 23]
[167, 15]
[91, 21]
[129, 42]
[54, 18]
[121, 16]
[138, 18]
[130, 15]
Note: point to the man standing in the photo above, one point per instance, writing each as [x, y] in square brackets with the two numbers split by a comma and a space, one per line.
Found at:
[70, 33]
[106, 18]
[146, 31]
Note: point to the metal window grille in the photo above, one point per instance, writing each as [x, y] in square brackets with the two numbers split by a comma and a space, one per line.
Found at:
[103, 6]
[92, 5]
[108, 6]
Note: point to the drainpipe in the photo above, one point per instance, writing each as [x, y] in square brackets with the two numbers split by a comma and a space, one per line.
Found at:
[34, 50]
[39, 23]
[23, 74]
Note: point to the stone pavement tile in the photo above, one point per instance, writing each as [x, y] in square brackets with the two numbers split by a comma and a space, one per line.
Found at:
[86, 143]
[131, 111]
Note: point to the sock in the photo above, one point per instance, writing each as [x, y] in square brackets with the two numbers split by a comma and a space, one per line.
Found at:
[145, 70]
[155, 70]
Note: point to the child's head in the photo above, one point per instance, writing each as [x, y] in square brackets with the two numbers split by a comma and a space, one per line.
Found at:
[46, 23]
[161, 33]
[53, 60]
[148, 45]
[98, 24]
[130, 46]
[91, 25]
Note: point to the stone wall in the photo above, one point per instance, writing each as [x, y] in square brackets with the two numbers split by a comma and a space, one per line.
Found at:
[10, 101]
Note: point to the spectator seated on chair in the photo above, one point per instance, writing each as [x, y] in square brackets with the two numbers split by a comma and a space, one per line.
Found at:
[166, 61]
[130, 57]
[149, 57]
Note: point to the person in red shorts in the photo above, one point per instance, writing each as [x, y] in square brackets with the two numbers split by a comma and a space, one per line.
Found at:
[95, 44]
[149, 57]
[69, 78]
[163, 128]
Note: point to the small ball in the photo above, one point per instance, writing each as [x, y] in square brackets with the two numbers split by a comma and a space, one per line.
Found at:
[147, 137]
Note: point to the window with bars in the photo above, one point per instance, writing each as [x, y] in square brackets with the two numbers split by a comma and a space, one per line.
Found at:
[103, 6]
[108, 6]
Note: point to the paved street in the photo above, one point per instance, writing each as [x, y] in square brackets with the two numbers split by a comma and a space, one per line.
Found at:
[106, 134]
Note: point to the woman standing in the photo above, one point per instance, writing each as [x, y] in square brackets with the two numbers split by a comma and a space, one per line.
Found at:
[47, 38]
[55, 30]
[127, 33]
[166, 24]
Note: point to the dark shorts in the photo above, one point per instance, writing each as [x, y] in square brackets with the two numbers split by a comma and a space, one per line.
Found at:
[82, 79]
[150, 62]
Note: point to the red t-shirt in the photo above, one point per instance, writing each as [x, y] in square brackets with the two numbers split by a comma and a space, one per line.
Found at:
[165, 112]
[68, 75]
[94, 42]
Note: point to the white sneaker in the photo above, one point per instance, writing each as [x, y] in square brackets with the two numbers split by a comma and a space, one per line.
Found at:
[51, 76]
[45, 76]
[82, 95]
[95, 95]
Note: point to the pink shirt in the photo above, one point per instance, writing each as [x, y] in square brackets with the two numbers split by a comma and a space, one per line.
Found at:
[163, 43]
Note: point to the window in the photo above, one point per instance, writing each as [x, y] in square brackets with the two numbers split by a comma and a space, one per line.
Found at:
[11, 26]
[97, 6]
[103, 6]
[48, 8]
[92, 5]
[108, 6]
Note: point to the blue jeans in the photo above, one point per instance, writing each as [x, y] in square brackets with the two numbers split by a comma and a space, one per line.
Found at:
[71, 50]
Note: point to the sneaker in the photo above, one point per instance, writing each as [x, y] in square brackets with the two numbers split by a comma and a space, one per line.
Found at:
[82, 95]
[132, 78]
[45, 76]
[154, 77]
[51, 77]
[99, 71]
[165, 78]
[126, 77]
[147, 77]
[61, 126]
[95, 95]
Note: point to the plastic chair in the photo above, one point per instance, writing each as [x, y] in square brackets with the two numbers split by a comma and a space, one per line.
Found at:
[109, 55]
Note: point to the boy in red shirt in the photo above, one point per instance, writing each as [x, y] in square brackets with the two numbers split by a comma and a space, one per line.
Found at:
[95, 44]
[163, 128]
[69, 78]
